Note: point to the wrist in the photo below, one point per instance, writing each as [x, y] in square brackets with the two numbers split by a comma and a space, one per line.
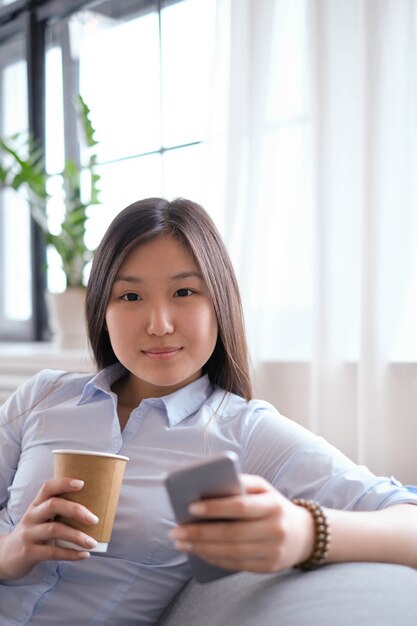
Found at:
[319, 534]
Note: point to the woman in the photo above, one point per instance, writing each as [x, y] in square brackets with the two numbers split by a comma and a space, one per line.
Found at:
[165, 325]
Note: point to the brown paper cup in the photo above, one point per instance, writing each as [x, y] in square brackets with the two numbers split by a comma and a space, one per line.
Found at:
[102, 474]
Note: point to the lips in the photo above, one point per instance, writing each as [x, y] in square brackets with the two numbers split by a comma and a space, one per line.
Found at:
[162, 352]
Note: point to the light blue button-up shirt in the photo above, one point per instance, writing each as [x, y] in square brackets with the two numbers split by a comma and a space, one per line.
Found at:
[141, 572]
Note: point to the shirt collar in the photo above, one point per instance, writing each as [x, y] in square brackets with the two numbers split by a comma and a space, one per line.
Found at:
[102, 382]
[187, 400]
[178, 405]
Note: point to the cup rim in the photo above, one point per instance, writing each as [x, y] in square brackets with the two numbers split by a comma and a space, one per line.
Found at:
[91, 453]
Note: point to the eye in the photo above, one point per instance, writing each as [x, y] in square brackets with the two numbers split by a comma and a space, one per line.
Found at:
[183, 293]
[131, 297]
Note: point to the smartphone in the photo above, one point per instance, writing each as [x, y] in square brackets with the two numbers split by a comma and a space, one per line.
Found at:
[215, 478]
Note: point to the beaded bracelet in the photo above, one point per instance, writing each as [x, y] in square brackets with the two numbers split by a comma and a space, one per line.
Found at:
[321, 534]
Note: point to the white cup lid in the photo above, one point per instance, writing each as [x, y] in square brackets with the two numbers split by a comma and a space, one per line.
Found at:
[92, 453]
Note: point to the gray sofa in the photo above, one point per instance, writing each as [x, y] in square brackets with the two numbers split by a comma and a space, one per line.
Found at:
[345, 594]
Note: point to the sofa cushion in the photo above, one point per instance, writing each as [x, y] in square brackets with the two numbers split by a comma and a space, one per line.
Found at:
[345, 594]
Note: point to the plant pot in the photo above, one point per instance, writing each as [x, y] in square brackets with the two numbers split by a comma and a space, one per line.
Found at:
[66, 318]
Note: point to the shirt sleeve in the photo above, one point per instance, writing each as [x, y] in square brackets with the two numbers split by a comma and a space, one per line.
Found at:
[302, 465]
[13, 413]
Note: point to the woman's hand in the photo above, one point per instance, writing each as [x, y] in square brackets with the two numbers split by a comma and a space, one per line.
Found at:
[32, 539]
[266, 531]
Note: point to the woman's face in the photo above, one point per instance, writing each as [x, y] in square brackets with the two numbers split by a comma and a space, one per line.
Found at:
[160, 318]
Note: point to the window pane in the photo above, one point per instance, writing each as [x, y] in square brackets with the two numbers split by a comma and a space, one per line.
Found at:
[188, 30]
[17, 283]
[15, 279]
[54, 113]
[122, 183]
[123, 89]
[183, 173]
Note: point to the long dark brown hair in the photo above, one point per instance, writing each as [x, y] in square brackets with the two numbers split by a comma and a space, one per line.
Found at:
[190, 224]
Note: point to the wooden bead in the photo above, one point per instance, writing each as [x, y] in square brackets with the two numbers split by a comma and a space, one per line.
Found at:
[321, 534]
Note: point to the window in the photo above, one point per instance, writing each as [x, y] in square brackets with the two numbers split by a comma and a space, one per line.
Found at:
[155, 93]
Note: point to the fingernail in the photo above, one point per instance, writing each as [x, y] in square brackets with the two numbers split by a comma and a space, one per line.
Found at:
[90, 517]
[77, 483]
[197, 508]
[90, 542]
[83, 555]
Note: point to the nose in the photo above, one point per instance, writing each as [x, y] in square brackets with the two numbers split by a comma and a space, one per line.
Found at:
[160, 322]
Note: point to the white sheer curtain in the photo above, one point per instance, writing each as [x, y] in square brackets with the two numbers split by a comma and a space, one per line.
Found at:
[313, 152]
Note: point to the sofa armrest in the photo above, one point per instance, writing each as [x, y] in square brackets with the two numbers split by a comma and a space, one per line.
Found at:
[363, 594]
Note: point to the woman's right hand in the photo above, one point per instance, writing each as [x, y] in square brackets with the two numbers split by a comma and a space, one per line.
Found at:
[32, 540]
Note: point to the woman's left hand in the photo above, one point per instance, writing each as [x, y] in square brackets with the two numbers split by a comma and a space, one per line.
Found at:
[266, 531]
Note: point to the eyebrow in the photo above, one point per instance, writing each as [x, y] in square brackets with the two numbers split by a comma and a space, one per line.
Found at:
[137, 279]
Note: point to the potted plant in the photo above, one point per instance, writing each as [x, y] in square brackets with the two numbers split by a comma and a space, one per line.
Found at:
[24, 168]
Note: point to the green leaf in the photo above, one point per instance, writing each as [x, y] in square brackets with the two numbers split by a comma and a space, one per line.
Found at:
[3, 174]
[87, 125]
[8, 148]
[25, 170]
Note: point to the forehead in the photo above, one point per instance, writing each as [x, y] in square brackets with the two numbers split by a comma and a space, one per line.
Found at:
[163, 254]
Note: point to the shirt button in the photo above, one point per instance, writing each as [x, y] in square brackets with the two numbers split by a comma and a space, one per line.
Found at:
[396, 482]
[50, 579]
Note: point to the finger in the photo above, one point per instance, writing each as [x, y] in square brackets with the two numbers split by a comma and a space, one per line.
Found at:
[57, 486]
[255, 484]
[54, 506]
[247, 506]
[227, 532]
[49, 532]
[241, 506]
[55, 553]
